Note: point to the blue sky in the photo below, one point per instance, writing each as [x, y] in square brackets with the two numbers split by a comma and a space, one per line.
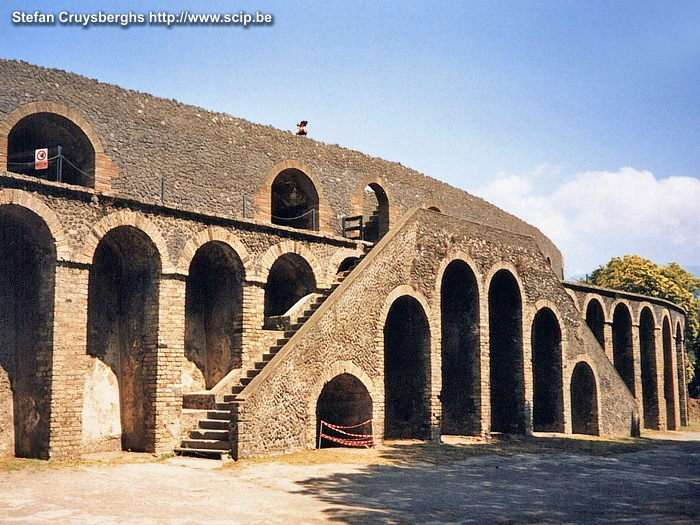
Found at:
[580, 117]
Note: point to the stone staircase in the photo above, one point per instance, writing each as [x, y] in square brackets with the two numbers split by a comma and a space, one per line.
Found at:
[211, 437]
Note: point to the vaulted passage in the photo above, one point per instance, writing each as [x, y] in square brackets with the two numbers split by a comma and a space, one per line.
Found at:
[294, 201]
[548, 405]
[213, 313]
[595, 319]
[506, 347]
[344, 401]
[669, 390]
[375, 212]
[290, 279]
[71, 155]
[622, 346]
[122, 337]
[406, 371]
[460, 396]
[584, 403]
[647, 345]
[27, 268]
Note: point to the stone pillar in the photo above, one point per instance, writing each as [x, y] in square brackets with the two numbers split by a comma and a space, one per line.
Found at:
[170, 355]
[485, 366]
[637, 366]
[69, 358]
[434, 402]
[252, 321]
[528, 383]
[659, 365]
[682, 388]
[608, 340]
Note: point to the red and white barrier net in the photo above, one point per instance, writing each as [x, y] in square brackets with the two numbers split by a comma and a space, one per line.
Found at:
[341, 434]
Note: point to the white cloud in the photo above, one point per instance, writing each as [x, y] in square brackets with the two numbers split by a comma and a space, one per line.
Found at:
[593, 216]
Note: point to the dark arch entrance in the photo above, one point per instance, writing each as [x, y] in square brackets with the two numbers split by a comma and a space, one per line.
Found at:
[459, 306]
[548, 403]
[669, 390]
[74, 165]
[506, 348]
[294, 201]
[123, 326]
[213, 312]
[27, 277]
[647, 346]
[623, 358]
[289, 279]
[375, 212]
[406, 371]
[344, 401]
[595, 319]
[584, 402]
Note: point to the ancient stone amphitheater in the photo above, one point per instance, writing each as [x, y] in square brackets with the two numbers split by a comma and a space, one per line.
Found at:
[177, 279]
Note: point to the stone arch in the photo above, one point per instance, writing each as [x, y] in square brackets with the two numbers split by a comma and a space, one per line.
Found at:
[289, 280]
[547, 373]
[216, 234]
[460, 310]
[27, 291]
[122, 341]
[623, 348]
[585, 398]
[406, 338]
[262, 268]
[670, 390]
[263, 199]
[506, 352]
[595, 317]
[213, 315]
[338, 258]
[647, 347]
[104, 168]
[337, 369]
[376, 207]
[432, 204]
[125, 218]
[38, 207]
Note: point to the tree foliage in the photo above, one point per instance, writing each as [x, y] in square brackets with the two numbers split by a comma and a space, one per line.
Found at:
[635, 274]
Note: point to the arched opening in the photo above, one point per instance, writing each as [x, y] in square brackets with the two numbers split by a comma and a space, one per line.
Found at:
[669, 390]
[213, 315]
[595, 319]
[344, 401]
[548, 402]
[682, 388]
[122, 337]
[290, 279]
[623, 358]
[27, 277]
[71, 157]
[461, 393]
[647, 346]
[294, 201]
[346, 266]
[375, 210]
[584, 402]
[506, 349]
[406, 371]
[435, 208]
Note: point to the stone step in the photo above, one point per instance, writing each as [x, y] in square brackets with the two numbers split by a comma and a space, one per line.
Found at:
[237, 389]
[219, 414]
[219, 435]
[206, 444]
[259, 365]
[224, 406]
[282, 341]
[231, 397]
[268, 357]
[246, 380]
[252, 372]
[288, 334]
[214, 424]
[201, 453]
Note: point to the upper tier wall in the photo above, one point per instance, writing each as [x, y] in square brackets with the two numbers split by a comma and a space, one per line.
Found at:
[209, 160]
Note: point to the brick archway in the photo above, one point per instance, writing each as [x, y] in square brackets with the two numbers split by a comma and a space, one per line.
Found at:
[38, 207]
[210, 234]
[105, 169]
[262, 268]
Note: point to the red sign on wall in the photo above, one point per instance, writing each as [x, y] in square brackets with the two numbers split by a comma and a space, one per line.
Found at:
[41, 159]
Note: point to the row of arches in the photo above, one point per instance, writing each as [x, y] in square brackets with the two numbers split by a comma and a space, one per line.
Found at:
[648, 391]
[294, 196]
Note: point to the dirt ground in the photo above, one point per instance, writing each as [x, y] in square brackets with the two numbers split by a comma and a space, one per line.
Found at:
[655, 479]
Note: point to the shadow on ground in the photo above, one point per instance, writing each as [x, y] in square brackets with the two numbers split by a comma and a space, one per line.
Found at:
[528, 480]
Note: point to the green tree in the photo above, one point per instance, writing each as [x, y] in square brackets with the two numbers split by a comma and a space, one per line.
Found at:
[635, 274]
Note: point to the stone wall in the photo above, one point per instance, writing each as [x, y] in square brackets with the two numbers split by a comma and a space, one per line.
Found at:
[276, 414]
[209, 161]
